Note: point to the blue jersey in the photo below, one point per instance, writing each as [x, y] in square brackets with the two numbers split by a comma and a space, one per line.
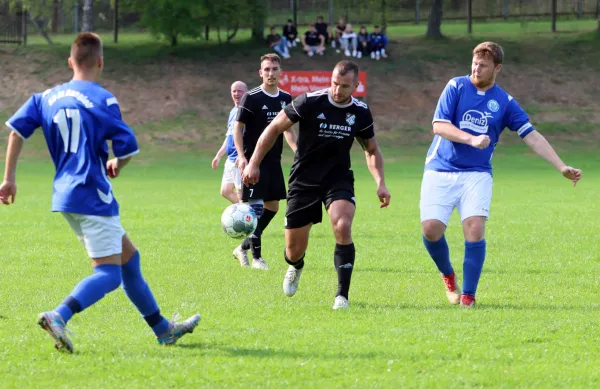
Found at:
[230, 145]
[478, 113]
[77, 119]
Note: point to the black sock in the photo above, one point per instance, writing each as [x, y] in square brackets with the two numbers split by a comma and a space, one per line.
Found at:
[265, 219]
[343, 258]
[246, 244]
[298, 264]
[254, 241]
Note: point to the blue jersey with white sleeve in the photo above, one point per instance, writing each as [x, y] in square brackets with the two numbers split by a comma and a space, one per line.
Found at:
[478, 113]
[230, 144]
[78, 118]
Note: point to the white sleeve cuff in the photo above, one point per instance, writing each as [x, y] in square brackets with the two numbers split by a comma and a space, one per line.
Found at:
[14, 129]
[130, 154]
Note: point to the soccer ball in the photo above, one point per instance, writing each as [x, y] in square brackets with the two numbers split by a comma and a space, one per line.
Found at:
[239, 221]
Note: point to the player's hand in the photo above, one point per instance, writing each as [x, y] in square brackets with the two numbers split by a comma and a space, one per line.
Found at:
[480, 141]
[251, 174]
[215, 163]
[241, 163]
[112, 167]
[571, 173]
[384, 196]
[8, 190]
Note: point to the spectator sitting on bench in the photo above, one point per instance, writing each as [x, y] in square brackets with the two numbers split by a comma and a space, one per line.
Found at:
[290, 33]
[363, 42]
[349, 41]
[313, 42]
[278, 43]
[378, 42]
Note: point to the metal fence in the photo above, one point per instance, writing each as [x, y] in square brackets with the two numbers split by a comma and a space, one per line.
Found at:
[415, 11]
[11, 25]
[66, 18]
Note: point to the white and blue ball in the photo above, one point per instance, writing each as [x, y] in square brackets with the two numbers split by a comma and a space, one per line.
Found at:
[239, 221]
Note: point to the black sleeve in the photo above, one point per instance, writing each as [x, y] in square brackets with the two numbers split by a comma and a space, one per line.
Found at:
[297, 109]
[366, 131]
[245, 111]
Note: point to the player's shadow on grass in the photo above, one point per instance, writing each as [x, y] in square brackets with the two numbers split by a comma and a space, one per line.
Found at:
[233, 351]
[538, 307]
[388, 270]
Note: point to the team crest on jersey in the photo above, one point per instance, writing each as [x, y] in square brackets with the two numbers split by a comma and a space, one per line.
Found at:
[350, 118]
[493, 105]
[282, 104]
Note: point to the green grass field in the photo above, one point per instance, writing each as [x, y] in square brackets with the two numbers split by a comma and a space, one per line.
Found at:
[535, 326]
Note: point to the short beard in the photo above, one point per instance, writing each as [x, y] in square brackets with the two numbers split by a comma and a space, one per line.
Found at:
[482, 83]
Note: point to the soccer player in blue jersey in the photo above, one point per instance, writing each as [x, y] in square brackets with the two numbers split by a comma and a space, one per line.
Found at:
[470, 116]
[77, 119]
[232, 179]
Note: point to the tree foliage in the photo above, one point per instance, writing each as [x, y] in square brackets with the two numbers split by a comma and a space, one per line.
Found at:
[170, 19]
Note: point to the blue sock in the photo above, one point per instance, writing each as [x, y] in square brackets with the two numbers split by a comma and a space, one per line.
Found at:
[440, 253]
[474, 258]
[90, 290]
[138, 291]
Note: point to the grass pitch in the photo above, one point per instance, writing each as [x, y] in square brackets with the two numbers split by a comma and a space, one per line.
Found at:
[536, 324]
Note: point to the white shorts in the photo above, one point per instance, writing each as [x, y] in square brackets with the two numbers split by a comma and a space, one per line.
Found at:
[441, 192]
[231, 175]
[102, 236]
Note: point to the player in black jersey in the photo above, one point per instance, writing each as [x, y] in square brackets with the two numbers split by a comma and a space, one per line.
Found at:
[330, 120]
[257, 109]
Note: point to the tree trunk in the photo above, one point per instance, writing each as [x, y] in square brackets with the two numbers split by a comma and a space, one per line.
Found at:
[434, 26]
[88, 16]
[233, 33]
[258, 15]
[207, 32]
[598, 13]
[55, 9]
[174, 39]
[39, 25]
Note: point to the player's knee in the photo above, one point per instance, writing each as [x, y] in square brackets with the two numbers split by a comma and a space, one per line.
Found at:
[295, 251]
[225, 191]
[474, 229]
[258, 206]
[343, 228]
[272, 206]
[433, 230]
[111, 275]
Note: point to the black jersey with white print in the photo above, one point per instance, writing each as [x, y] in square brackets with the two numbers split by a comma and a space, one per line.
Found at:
[257, 109]
[327, 131]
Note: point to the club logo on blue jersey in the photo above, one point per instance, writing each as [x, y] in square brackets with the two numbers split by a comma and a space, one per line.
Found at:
[475, 121]
[350, 118]
[493, 105]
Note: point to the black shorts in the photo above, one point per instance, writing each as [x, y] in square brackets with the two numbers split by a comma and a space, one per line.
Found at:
[270, 186]
[304, 205]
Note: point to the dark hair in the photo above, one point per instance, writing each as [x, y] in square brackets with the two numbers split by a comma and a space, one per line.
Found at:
[376, 26]
[273, 28]
[344, 67]
[290, 21]
[86, 49]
